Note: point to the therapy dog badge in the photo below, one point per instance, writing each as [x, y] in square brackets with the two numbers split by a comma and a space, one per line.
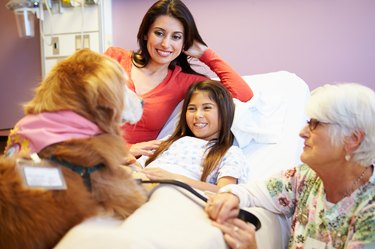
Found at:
[314, 244]
[42, 174]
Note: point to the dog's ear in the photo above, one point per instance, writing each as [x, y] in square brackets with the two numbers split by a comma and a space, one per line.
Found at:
[88, 83]
[103, 105]
[104, 96]
[105, 114]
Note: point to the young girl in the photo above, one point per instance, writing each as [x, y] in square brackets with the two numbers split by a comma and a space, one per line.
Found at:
[200, 151]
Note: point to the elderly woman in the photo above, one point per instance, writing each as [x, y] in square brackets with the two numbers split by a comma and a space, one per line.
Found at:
[331, 197]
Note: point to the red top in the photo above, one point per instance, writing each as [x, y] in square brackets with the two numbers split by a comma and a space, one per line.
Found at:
[160, 102]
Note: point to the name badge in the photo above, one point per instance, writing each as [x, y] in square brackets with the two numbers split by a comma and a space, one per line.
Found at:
[41, 175]
[314, 244]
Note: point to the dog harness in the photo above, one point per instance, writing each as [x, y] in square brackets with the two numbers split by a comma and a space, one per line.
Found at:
[83, 171]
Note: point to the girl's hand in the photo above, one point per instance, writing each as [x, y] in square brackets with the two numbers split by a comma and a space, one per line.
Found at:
[238, 234]
[158, 174]
[144, 148]
[129, 159]
[223, 206]
[196, 50]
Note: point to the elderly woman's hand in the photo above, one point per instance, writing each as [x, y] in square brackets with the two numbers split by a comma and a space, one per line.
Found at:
[223, 206]
[238, 234]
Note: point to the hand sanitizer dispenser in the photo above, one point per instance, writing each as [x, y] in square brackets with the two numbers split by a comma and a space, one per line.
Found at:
[24, 11]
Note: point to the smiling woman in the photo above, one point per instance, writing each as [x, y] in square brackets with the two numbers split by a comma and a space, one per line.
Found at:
[330, 197]
[160, 71]
[164, 41]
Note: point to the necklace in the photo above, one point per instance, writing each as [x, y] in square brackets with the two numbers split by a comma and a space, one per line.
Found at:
[355, 183]
[302, 216]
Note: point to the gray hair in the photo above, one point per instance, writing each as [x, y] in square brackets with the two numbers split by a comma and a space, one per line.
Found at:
[348, 107]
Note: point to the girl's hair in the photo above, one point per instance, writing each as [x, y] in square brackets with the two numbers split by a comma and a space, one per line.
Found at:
[217, 147]
[175, 9]
[348, 107]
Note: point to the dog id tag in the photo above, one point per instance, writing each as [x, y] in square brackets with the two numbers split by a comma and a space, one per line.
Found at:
[41, 175]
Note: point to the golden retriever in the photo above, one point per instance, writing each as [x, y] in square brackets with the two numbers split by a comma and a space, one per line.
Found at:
[73, 123]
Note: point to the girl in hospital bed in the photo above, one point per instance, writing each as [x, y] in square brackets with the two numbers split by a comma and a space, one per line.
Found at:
[200, 151]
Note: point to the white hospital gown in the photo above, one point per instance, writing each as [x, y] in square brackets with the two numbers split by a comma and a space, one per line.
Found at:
[185, 157]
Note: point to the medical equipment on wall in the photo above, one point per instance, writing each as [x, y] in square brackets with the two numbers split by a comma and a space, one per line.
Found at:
[64, 26]
[25, 12]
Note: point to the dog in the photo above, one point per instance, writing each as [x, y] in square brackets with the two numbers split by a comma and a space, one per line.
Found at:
[71, 126]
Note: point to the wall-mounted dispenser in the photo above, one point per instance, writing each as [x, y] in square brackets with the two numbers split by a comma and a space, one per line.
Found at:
[25, 12]
[65, 26]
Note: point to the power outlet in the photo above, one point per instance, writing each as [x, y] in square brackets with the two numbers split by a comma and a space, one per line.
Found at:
[85, 43]
[55, 45]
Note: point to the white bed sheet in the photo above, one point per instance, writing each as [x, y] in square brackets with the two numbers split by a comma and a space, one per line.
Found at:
[171, 220]
[292, 93]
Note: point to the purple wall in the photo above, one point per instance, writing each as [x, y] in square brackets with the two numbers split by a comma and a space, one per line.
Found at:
[321, 41]
[20, 68]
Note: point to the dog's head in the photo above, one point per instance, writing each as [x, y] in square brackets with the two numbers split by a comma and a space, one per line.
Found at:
[93, 86]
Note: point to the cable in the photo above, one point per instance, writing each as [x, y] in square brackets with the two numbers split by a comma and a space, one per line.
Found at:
[82, 2]
[50, 24]
[243, 214]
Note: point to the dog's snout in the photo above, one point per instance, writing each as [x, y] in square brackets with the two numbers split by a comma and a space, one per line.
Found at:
[133, 107]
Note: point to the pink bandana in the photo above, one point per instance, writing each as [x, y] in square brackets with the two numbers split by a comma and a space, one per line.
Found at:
[35, 132]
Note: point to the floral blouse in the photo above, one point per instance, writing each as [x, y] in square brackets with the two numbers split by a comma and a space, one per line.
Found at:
[299, 194]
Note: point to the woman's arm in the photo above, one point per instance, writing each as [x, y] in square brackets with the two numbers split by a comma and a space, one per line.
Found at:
[207, 186]
[229, 77]
[277, 193]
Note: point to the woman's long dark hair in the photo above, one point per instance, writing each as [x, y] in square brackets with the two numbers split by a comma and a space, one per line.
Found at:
[175, 9]
[218, 147]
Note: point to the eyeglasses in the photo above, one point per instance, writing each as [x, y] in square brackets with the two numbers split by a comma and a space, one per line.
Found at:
[313, 123]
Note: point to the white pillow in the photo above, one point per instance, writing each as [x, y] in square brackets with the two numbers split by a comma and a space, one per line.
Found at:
[259, 120]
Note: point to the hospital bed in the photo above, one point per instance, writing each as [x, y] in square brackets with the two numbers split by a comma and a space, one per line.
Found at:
[266, 128]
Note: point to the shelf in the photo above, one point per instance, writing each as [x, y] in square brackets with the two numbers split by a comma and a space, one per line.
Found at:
[4, 133]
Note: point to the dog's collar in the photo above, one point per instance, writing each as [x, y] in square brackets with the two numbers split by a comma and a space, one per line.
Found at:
[84, 172]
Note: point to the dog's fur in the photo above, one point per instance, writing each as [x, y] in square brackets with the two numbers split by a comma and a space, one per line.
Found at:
[94, 87]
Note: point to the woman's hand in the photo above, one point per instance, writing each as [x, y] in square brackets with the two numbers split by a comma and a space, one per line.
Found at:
[144, 148]
[223, 206]
[238, 234]
[196, 50]
[159, 174]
